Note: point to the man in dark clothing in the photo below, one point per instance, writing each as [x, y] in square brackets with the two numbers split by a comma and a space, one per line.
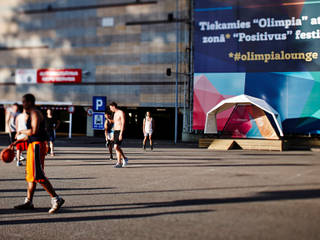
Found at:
[51, 125]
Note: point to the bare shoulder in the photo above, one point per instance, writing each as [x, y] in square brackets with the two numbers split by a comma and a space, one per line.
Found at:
[119, 113]
[37, 113]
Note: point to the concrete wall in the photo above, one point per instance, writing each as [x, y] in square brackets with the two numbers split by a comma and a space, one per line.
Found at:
[126, 63]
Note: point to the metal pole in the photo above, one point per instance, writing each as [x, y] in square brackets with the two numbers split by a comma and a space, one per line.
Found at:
[70, 125]
[177, 75]
[191, 66]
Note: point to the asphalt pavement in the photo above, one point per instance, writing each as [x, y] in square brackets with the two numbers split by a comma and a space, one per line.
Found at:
[174, 192]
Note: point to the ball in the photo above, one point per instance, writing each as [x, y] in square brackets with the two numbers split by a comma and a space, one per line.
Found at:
[7, 155]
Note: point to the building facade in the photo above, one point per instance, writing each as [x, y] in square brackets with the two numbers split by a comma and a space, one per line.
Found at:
[123, 49]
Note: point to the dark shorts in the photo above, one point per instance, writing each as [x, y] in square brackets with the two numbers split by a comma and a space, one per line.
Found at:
[109, 142]
[116, 138]
[52, 136]
[12, 136]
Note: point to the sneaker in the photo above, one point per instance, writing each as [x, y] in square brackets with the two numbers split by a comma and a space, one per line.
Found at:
[125, 162]
[56, 202]
[117, 165]
[111, 158]
[27, 205]
[22, 158]
[19, 164]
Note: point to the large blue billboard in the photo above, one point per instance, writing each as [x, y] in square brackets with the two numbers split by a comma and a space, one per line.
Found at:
[265, 49]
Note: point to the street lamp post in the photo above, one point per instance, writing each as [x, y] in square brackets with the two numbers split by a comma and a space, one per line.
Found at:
[177, 75]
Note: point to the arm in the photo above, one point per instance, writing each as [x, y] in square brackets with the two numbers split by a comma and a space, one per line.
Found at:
[106, 128]
[123, 121]
[143, 125]
[8, 119]
[58, 124]
[110, 120]
[17, 126]
[35, 122]
[153, 124]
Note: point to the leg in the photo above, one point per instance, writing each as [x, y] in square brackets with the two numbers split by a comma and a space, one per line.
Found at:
[150, 139]
[124, 158]
[118, 153]
[27, 205]
[56, 201]
[144, 141]
[122, 154]
[49, 188]
[18, 156]
[12, 135]
[51, 148]
[110, 149]
[31, 189]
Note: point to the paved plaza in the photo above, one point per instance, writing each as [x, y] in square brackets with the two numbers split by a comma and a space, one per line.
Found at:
[175, 192]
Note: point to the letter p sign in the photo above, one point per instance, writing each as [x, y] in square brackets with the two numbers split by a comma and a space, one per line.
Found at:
[99, 104]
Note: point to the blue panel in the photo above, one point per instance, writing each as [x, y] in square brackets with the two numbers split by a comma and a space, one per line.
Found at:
[98, 120]
[298, 93]
[270, 87]
[227, 83]
[99, 104]
[283, 92]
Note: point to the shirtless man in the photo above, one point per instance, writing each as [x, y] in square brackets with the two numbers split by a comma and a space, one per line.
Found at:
[119, 122]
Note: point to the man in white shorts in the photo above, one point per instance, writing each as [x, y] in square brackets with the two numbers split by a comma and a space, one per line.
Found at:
[21, 124]
[109, 133]
[148, 127]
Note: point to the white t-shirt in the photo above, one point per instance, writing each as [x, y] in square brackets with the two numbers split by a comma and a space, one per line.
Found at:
[148, 125]
[21, 124]
[12, 121]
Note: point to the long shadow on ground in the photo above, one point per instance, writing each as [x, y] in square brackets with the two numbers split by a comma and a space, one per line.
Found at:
[260, 197]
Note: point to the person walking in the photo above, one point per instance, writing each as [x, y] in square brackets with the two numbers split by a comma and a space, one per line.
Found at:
[109, 133]
[52, 123]
[148, 127]
[36, 136]
[13, 113]
[21, 124]
[119, 123]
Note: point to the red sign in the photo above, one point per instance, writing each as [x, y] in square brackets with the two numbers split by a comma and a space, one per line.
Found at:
[89, 112]
[59, 76]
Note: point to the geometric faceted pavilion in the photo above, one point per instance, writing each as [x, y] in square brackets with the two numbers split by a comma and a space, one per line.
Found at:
[211, 121]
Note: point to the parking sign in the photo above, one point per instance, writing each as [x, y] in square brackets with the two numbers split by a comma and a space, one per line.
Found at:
[98, 120]
[99, 104]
